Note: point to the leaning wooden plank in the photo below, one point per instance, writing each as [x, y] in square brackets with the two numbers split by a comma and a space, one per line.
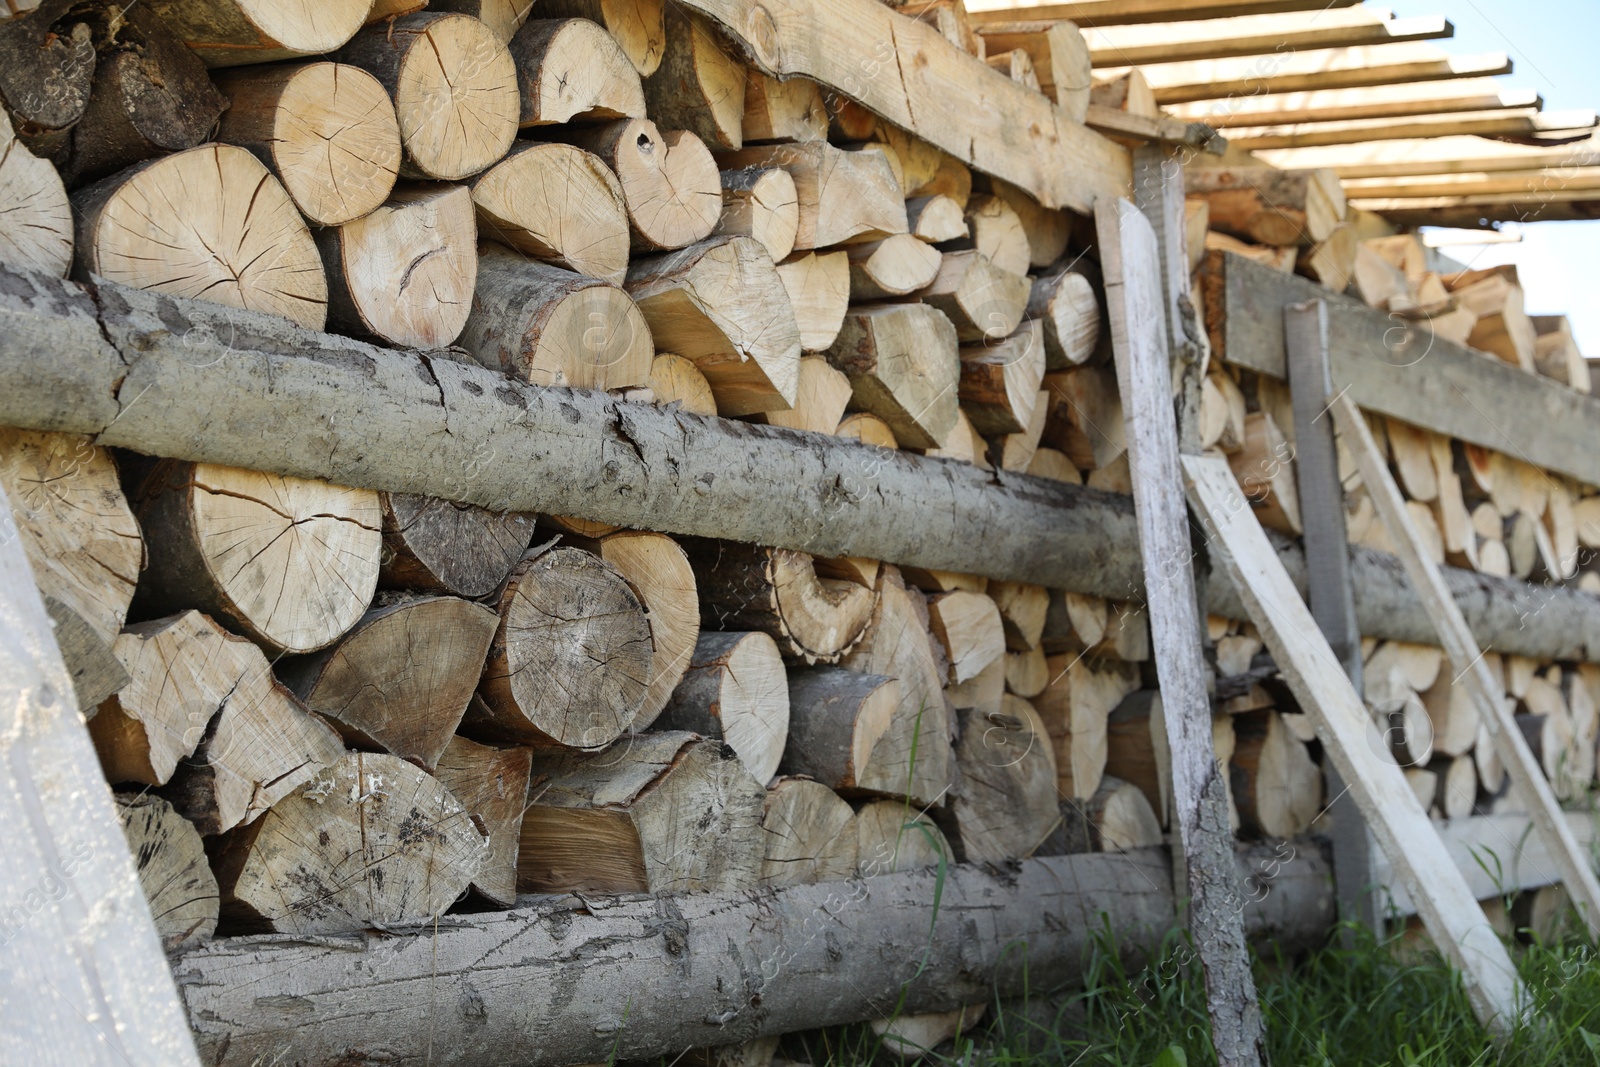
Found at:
[1494, 714]
[1522, 122]
[1249, 35]
[908, 74]
[1133, 12]
[1348, 737]
[636, 977]
[85, 981]
[1496, 854]
[1344, 105]
[1136, 307]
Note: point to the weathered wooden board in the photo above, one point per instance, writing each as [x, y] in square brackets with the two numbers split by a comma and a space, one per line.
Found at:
[1496, 854]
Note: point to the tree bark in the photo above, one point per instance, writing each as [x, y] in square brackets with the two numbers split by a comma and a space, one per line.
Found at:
[699, 86]
[47, 61]
[436, 546]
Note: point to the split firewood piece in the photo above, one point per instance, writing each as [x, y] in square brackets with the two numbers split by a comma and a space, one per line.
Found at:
[1000, 381]
[818, 284]
[234, 237]
[699, 85]
[842, 195]
[636, 24]
[1584, 712]
[984, 691]
[1561, 524]
[82, 541]
[33, 201]
[291, 562]
[371, 839]
[1376, 281]
[903, 364]
[675, 380]
[995, 229]
[778, 592]
[47, 65]
[889, 154]
[760, 202]
[326, 130]
[1065, 302]
[1268, 206]
[1332, 261]
[1007, 804]
[912, 1037]
[891, 267]
[1129, 91]
[150, 96]
[1425, 784]
[570, 662]
[404, 272]
[170, 860]
[1016, 65]
[1265, 469]
[1453, 715]
[1023, 608]
[935, 218]
[558, 203]
[1015, 451]
[1275, 783]
[913, 757]
[964, 444]
[491, 782]
[810, 835]
[437, 546]
[401, 679]
[504, 17]
[1075, 707]
[1418, 666]
[1457, 788]
[1279, 258]
[820, 399]
[572, 70]
[836, 718]
[1027, 672]
[1074, 623]
[868, 429]
[735, 690]
[968, 627]
[863, 572]
[670, 183]
[1503, 328]
[983, 301]
[1569, 774]
[1137, 752]
[722, 304]
[550, 326]
[1556, 353]
[1121, 818]
[892, 837]
[662, 813]
[787, 110]
[1046, 229]
[1084, 419]
[229, 33]
[1413, 459]
[952, 179]
[1235, 654]
[454, 87]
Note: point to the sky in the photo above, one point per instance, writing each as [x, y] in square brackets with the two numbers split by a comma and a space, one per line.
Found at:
[1552, 44]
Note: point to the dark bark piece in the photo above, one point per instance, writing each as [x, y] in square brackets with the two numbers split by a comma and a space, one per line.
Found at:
[836, 717]
[492, 784]
[47, 62]
[439, 546]
[228, 33]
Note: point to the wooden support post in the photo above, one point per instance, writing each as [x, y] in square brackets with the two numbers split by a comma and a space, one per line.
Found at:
[1158, 190]
[84, 979]
[1419, 859]
[1130, 257]
[1467, 660]
[1305, 330]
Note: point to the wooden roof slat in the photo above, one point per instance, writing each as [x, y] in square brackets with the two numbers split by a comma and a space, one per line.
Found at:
[1549, 205]
[1481, 183]
[1445, 155]
[1525, 122]
[1257, 35]
[1349, 105]
[1129, 12]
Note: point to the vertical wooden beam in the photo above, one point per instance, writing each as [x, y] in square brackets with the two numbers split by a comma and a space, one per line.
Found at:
[1130, 259]
[1158, 192]
[1305, 328]
[83, 981]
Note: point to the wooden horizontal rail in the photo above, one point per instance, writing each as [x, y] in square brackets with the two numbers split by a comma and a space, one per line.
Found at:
[1498, 854]
[564, 980]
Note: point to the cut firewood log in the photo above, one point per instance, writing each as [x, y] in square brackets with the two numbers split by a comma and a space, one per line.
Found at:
[778, 592]
[994, 229]
[868, 429]
[984, 691]
[1084, 419]
[436, 546]
[952, 179]
[228, 33]
[1561, 526]
[558, 203]
[935, 218]
[1127, 635]
[504, 17]
[967, 625]
[1054, 465]
[1265, 469]
[150, 96]
[863, 572]
[891, 267]
[1522, 544]
[670, 183]
[892, 837]
[964, 444]
[371, 839]
[1332, 261]
[1137, 752]
[1556, 353]
[818, 284]
[552, 327]
[571, 658]
[664, 813]
[950, 18]
[675, 380]
[170, 859]
[1114, 477]
[1075, 707]
[723, 305]
[46, 70]
[1425, 784]
[842, 195]
[636, 24]
[1000, 381]
[911, 1037]
[983, 301]
[903, 367]
[1065, 302]
[1413, 459]
[788, 110]
[836, 718]
[913, 758]
[1457, 788]
[810, 835]
[1418, 666]
[1016, 65]
[1503, 328]
[699, 85]
[1006, 804]
[1047, 230]
[1268, 206]
[932, 582]
[1027, 673]
[291, 562]
[572, 70]
[1275, 783]
[404, 272]
[401, 679]
[1023, 608]
[919, 161]
[82, 541]
[1075, 622]
[1196, 223]
[454, 87]
[735, 691]
[1279, 258]
[233, 236]
[1121, 818]
[1557, 739]
[33, 201]
[760, 202]
[491, 782]
[1585, 716]
[820, 400]
[1235, 653]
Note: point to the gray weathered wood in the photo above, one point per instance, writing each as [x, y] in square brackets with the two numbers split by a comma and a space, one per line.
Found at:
[1400, 369]
[1158, 190]
[1131, 259]
[562, 980]
[1496, 854]
[1466, 659]
[1328, 579]
[83, 980]
[1419, 859]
